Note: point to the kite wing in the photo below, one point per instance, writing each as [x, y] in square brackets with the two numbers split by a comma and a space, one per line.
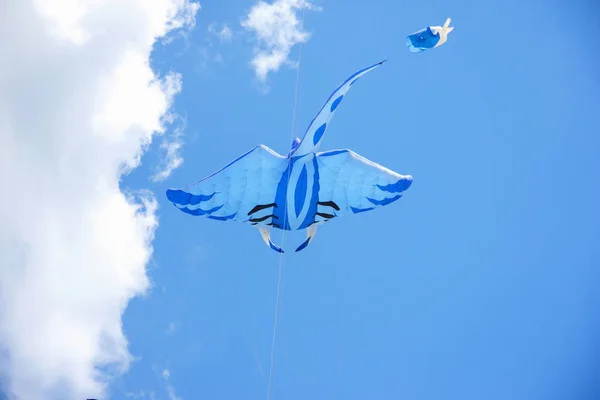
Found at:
[316, 130]
[247, 184]
[351, 184]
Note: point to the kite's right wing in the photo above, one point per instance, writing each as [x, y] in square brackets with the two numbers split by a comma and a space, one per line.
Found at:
[351, 184]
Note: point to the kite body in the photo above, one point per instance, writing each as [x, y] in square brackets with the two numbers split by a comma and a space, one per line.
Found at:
[428, 38]
[299, 191]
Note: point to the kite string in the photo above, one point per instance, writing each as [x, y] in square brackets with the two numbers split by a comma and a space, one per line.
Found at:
[275, 319]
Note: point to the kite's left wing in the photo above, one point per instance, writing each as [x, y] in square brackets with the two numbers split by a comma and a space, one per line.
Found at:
[236, 192]
[351, 184]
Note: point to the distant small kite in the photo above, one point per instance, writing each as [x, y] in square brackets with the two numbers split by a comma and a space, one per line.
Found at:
[299, 191]
[428, 38]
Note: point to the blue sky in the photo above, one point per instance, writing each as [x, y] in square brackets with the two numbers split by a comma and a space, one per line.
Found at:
[479, 283]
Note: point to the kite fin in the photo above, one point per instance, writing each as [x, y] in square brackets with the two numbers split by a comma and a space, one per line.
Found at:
[266, 235]
[443, 32]
[311, 231]
[447, 28]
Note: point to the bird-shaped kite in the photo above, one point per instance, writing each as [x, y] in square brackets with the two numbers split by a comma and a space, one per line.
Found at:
[428, 38]
[302, 190]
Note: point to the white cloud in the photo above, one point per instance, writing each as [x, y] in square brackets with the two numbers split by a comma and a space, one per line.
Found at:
[171, 147]
[171, 393]
[225, 34]
[210, 52]
[277, 30]
[171, 328]
[79, 104]
[170, 389]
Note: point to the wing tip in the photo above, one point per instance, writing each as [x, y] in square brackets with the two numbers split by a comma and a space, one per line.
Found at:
[173, 195]
[275, 247]
[303, 245]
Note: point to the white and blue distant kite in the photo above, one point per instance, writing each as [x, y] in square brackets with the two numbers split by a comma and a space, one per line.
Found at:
[299, 191]
[428, 38]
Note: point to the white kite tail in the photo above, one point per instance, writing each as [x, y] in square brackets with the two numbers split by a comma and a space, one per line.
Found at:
[444, 31]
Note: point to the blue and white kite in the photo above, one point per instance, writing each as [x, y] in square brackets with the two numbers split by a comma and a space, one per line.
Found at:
[428, 38]
[302, 190]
